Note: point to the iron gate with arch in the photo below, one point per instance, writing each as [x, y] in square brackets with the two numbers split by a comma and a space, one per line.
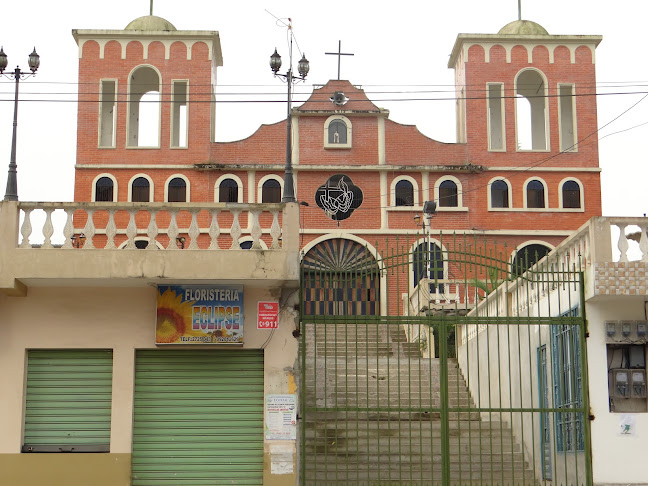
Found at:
[413, 376]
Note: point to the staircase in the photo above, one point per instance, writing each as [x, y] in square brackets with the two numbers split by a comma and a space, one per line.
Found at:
[374, 416]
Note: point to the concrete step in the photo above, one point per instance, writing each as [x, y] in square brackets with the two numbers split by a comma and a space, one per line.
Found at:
[477, 449]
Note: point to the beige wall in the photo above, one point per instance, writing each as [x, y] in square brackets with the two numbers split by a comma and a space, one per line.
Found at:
[121, 319]
[626, 453]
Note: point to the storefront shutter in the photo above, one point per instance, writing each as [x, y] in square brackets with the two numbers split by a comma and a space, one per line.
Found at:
[198, 417]
[68, 401]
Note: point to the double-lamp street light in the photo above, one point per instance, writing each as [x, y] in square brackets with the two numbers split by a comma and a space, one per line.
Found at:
[11, 194]
[302, 67]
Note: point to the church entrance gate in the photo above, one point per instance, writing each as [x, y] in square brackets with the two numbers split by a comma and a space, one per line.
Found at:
[421, 370]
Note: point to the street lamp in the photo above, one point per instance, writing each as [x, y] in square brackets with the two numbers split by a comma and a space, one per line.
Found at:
[11, 194]
[302, 68]
[429, 210]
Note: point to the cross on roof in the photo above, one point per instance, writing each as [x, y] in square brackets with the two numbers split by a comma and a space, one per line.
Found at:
[339, 54]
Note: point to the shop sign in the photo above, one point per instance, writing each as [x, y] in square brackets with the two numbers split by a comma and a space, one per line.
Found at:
[199, 314]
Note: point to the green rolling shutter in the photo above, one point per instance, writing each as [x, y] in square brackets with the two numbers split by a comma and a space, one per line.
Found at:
[198, 417]
[68, 401]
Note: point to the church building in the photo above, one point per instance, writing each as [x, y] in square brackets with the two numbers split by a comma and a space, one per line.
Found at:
[523, 171]
[137, 357]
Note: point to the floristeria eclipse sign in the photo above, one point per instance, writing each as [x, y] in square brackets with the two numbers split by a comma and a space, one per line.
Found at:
[199, 314]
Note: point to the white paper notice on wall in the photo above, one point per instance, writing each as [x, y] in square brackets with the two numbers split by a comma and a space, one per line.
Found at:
[281, 459]
[281, 417]
[627, 425]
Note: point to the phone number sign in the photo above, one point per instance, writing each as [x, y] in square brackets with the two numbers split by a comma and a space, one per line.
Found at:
[268, 315]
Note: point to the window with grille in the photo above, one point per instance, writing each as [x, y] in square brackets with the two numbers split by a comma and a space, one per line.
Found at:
[177, 190]
[404, 193]
[535, 194]
[141, 190]
[571, 196]
[104, 188]
[499, 194]
[448, 194]
[271, 191]
[228, 191]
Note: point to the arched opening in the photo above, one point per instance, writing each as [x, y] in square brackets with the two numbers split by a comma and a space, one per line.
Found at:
[144, 108]
[499, 194]
[140, 190]
[228, 191]
[404, 193]
[177, 190]
[340, 277]
[271, 191]
[427, 263]
[535, 194]
[104, 189]
[571, 196]
[448, 194]
[531, 111]
[337, 132]
[527, 256]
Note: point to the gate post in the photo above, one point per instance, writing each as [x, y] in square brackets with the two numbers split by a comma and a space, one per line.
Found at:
[445, 419]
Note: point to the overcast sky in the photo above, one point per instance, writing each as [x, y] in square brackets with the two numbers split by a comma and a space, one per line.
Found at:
[402, 47]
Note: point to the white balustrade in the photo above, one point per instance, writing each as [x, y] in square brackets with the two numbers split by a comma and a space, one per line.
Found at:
[119, 225]
[592, 243]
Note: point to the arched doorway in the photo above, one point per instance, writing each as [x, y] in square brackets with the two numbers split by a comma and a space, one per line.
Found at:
[527, 256]
[340, 277]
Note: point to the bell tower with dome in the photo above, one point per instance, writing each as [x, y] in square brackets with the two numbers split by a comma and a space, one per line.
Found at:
[524, 92]
[134, 110]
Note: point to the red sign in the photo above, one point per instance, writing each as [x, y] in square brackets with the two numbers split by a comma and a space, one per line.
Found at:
[268, 315]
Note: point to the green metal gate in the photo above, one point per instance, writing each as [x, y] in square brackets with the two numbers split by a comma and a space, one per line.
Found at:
[420, 365]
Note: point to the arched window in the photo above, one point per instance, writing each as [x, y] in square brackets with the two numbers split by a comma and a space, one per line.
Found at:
[404, 193]
[571, 195]
[531, 110]
[144, 107]
[271, 191]
[535, 194]
[448, 194]
[337, 132]
[499, 194]
[527, 256]
[228, 191]
[104, 189]
[177, 190]
[140, 190]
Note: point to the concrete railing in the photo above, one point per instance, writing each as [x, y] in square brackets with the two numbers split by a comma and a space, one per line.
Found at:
[81, 244]
[431, 295]
[172, 226]
[600, 240]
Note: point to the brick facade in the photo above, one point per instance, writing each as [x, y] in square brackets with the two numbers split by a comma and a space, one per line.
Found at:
[380, 151]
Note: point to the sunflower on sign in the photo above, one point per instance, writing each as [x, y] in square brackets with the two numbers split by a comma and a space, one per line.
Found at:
[173, 318]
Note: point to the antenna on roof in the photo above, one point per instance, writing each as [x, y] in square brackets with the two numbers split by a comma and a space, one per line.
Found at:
[519, 9]
[151, 8]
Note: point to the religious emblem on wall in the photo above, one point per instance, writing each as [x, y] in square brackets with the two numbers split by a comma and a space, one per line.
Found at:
[338, 197]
